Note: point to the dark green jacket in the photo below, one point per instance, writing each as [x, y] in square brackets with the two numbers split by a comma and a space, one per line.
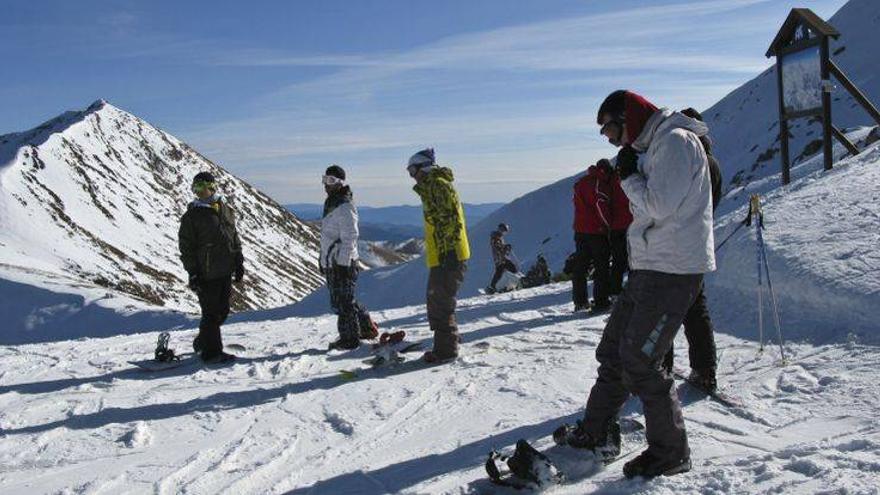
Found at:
[209, 242]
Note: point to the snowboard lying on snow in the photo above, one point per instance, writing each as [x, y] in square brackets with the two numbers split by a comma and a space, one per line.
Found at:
[719, 396]
[181, 360]
[387, 352]
[529, 468]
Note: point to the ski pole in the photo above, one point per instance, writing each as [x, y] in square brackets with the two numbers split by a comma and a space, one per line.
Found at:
[772, 297]
[754, 209]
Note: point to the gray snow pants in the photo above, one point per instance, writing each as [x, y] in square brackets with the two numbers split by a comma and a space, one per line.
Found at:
[443, 285]
[640, 331]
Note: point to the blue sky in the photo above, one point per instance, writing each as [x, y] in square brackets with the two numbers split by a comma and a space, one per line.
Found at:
[506, 91]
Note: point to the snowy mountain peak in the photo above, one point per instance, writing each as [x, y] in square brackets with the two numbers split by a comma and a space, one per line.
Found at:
[95, 196]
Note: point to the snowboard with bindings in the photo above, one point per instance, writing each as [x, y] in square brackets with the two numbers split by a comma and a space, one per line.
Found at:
[528, 468]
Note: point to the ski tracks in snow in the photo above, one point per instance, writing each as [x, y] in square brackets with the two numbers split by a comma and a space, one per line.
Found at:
[281, 419]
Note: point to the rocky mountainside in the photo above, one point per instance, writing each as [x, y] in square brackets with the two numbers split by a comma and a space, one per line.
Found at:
[96, 197]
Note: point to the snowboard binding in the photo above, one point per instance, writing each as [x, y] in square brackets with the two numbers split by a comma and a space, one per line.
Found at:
[524, 469]
[163, 354]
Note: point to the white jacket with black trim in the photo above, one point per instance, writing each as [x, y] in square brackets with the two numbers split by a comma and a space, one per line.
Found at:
[339, 235]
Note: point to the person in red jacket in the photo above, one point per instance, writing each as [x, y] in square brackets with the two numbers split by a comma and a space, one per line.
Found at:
[620, 220]
[592, 222]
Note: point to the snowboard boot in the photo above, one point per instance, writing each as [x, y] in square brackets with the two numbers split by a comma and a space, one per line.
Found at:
[606, 448]
[219, 358]
[581, 307]
[599, 308]
[197, 345]
[648, 466]
[344, 344]
[704, 378]
[431, 358]
[489, 290]
[369, 329]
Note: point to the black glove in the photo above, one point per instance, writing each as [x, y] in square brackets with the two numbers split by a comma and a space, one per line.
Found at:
[238, 276]
[450, 261]
[194, 282]
[627, 162]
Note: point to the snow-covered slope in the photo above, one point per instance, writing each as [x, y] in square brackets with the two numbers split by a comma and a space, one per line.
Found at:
[744, 124]
[75, 418]
[96, 197]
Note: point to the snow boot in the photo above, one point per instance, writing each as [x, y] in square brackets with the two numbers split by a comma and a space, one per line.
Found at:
[648, 466]
[344, 344]
[431, 358]
[606, 448]
[369, 329]
[704, 378]
[219, 358]
[599, 308]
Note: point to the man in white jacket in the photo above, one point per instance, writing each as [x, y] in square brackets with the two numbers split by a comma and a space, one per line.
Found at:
[339, 255]
[670, 248]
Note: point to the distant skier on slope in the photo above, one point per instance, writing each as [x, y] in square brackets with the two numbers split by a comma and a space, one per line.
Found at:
[211, 253]
[539, 274]
[446, 250]
[338, 261]
[500, 255]
[671, 248]
[592, 215]
[697, 322]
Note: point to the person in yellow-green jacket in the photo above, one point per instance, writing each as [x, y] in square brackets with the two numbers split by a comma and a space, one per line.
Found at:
[446, 250]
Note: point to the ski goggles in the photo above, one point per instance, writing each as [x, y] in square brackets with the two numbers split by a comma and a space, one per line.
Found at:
[331, 180]
[201, 186]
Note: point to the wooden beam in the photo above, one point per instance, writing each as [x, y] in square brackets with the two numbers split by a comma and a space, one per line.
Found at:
[828, 149]
[845, 141]
[854, 91]
[783, 127]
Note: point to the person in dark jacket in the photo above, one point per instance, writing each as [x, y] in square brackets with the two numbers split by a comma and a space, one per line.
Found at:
[211, 253]
[620, 220]
[697, 323]
[500, 255]
[339, 257]
[592, 217]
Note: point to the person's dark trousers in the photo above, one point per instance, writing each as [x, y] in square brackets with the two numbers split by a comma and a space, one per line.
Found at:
[500, 269]
[619, 261]
[342, 282]
[600, 252]
[638, 335]
[214, 300]
[580, 271]
[443, 285]
[700, 336]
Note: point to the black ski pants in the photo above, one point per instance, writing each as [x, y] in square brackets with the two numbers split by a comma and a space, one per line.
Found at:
[352, 315]
[700, 336]
[500, 268]
[595, 248]
[619, 261]
[636, 338]
[214, 301]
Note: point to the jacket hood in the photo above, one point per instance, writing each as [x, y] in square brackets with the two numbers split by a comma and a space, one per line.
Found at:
[637, 112]
[667, 119]
[441, 173]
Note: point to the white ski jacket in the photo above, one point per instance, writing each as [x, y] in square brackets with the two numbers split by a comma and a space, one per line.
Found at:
[671, 198]
[339, 235]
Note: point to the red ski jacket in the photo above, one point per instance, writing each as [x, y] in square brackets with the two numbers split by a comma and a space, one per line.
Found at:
[620, 214]
[592, 209]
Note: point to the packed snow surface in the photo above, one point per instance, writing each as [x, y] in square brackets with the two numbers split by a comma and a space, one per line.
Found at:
[76, 418]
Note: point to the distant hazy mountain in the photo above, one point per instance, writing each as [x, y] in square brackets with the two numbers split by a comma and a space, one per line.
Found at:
[394, 215]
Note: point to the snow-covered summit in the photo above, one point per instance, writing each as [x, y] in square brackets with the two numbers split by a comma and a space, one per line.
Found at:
[94, 198]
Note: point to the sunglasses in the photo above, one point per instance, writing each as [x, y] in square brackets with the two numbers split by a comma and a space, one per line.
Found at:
[201, 186]
[330, 180]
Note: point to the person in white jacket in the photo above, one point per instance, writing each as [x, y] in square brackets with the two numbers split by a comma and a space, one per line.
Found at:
[338, 262]
[670, 248]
